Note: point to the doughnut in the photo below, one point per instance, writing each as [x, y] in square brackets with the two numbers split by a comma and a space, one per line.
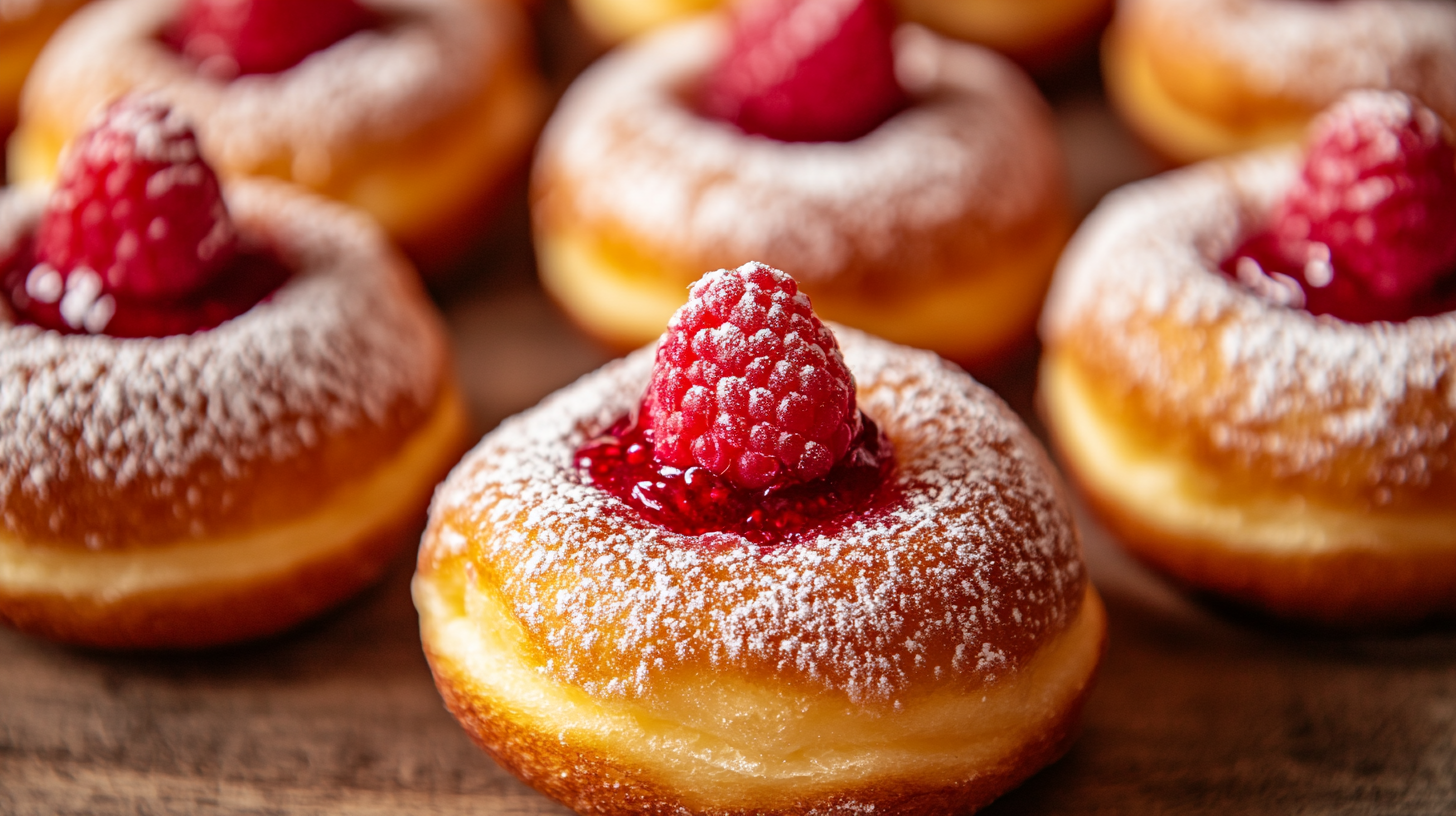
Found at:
[924, 659]
[422, 122]
[938, 229]
[1036, 32]
[1300, 465]
[1203, 78]
[206, 488]
[24, 29]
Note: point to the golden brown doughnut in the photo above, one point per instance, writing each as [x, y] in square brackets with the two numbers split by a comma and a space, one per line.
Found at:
[1203, 78]
[939, 229]
[24, 29]
[924, 661]
[206, 488]
[420, 123]
[1036, 32]
[1300, 464]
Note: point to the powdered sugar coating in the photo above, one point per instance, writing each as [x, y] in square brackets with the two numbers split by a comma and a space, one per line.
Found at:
[1312, 52]
[1139, 295]
[627, 150]
[372, 88]
[957, 584]
[341, 346]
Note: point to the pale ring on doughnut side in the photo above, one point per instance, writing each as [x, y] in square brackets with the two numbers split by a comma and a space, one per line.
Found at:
[1303, 465]
[924, 661]
[1204, 78]
[418, 123]
[207, 488]
[938, 229]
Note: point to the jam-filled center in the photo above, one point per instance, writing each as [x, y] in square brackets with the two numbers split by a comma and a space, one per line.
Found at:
[695, 501]
[79, 304]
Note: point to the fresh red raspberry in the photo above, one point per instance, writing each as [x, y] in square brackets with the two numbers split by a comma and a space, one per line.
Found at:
[231, 37]
[808, 70]
[136, 214]
[1378, 189]
[749, 384]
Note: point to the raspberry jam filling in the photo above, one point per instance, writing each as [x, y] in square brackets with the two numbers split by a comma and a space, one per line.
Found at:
[230, 38]
[807, 70]
[1319, 284]
[1367, 231]
[39, 296]
[695, 501]
[749, 424]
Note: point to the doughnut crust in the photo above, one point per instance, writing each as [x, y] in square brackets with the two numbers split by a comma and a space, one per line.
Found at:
[939, 229]
[419, 123]
[206, 488]
[1035, 32]
[923, 661]
[24, 29]
[1204, 78]
[1298, 464]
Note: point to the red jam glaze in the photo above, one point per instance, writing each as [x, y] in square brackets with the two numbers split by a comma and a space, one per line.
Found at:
[37, 299]
[694, 501]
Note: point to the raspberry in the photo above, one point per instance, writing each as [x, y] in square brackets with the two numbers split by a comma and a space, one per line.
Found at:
[808, 70]
[231, 37]
[749, 384]
[136, 214]
[1378, 189]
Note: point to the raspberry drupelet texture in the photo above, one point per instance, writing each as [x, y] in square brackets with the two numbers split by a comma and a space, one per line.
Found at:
[227, 38]
[808, 70]
[136, 208]
[135, 240]
[1379, 189]
[749, 384]
[1368, 231]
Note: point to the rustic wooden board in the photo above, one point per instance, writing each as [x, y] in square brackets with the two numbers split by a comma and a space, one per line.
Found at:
[1197, 711]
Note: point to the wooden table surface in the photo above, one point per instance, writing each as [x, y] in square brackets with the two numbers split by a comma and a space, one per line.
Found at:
[1197, 710]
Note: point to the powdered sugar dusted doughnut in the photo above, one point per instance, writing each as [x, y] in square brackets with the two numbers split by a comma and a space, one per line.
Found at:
[203, 488]
[1302, 464]
[1199, 78]
[413, 121]
[938, 229]
[923, 660]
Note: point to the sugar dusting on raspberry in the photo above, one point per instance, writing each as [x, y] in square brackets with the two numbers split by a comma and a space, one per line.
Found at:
[334, 349]
[749, 384]
[1378, 190]
[1279, 390]
[976, 146]
[136, 213]
[959, 582]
